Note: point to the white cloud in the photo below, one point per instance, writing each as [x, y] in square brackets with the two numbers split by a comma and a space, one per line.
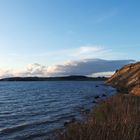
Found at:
[82, 52]
[77, 53]
[36, 69]
[101, 74]
[30, 70]
[6, 73]
[87, 51]
[92, 67]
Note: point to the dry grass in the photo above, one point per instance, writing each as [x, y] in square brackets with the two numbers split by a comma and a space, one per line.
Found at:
[118, 118]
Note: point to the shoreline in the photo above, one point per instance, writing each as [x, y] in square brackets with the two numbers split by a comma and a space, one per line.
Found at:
[85, 113]
[97, 116]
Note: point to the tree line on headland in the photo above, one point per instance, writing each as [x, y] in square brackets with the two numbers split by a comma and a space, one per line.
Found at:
[64, 78]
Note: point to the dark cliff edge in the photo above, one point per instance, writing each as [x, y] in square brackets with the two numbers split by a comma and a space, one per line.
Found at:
[127, 79]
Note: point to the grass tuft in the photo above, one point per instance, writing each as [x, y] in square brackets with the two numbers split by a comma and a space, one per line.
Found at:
[117, 118]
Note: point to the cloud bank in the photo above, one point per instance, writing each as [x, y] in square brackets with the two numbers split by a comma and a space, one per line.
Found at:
[89, 67]
[92, 67]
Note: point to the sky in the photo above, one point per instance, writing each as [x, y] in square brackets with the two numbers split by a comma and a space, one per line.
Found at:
[50, 33]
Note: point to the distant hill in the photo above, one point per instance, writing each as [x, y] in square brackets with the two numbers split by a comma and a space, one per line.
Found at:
[66, 78]
[127, 79]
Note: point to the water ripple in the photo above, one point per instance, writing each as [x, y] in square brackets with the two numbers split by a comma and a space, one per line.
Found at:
[31, 110]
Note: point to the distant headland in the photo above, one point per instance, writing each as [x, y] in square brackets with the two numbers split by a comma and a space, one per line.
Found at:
[64, 78]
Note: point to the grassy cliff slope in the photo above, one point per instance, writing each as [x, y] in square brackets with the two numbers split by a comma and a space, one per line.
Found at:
[127, 79]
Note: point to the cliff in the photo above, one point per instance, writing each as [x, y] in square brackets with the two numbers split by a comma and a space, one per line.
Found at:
[127, 79]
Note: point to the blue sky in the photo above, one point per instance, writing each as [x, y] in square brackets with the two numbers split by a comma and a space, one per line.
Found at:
[50, 32]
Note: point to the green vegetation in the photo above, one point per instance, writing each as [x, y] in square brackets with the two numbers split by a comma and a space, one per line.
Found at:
[117, 118]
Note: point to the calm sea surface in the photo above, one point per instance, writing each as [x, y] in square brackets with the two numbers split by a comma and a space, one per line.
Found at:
[33, 110]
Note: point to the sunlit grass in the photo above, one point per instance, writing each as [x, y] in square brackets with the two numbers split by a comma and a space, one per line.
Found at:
[118, 118]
